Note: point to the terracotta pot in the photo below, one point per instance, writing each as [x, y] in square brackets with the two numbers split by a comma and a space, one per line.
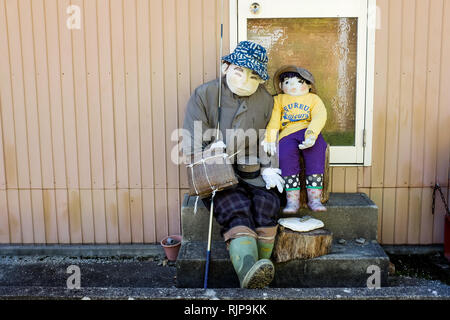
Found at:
[171, 250]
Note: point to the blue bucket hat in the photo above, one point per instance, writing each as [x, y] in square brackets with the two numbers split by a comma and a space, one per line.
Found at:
[250, 55]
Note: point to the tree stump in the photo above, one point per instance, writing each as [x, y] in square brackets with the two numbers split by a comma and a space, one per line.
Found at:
[301, 245]
[326, 180]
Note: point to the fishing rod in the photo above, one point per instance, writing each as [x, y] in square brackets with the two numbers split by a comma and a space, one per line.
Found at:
[211, 210]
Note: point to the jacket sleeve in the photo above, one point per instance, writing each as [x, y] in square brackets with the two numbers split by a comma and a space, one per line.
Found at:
[318, 119]
[194, 125]
[274, 124]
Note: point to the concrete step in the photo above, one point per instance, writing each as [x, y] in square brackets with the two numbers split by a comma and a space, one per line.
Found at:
[345, 266]
[348, 216]
[407, 289]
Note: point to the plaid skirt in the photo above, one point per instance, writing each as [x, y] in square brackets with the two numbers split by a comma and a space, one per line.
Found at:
[245, 205]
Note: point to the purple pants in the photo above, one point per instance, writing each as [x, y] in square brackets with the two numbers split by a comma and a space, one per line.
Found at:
[290, 155]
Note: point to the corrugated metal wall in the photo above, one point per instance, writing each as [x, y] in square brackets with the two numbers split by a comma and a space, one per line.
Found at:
[87, 117]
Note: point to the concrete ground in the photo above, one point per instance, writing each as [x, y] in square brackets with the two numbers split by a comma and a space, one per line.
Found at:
[150, 276]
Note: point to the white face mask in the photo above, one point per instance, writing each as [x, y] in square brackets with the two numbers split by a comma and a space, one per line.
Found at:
[241, 81]
[294, 86]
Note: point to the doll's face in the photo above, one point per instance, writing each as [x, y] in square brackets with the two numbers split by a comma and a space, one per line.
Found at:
[241, 81]
[295, 86]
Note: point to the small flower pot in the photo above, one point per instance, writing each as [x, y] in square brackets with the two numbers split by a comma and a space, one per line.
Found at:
[171, 248]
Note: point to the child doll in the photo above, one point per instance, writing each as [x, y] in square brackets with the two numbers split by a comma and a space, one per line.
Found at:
[299, 116]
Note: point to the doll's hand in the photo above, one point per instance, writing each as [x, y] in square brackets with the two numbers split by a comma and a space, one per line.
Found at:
[269, 147]
[307, 143]
[272, 178]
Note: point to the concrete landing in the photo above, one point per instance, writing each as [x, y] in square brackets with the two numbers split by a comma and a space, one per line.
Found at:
[45, 277]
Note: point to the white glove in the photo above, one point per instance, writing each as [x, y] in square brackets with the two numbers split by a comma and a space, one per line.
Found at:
[218, 145]
[307, 143]
[272, 178]
[269, 147]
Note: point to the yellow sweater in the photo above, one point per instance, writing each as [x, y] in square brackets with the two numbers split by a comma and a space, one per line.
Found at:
[294, 113]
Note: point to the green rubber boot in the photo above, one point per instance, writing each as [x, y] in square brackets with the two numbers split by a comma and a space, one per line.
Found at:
[252, 273]
[265, 249]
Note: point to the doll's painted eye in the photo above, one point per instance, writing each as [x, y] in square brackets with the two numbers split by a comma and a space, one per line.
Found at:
[301, 81]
